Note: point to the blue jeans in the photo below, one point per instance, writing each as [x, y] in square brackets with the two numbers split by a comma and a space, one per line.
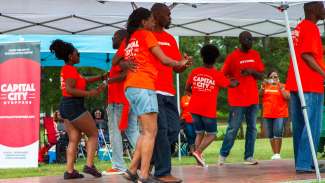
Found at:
[168, 130]
[274, 127]
[314, 104]
[236, 116]
[132, 132]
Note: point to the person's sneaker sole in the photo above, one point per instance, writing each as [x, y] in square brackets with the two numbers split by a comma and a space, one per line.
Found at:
[250, 163]
[112, 173]
[198, 159]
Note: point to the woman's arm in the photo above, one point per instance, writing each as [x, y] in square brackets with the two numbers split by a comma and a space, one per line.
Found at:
[156, 50]
[93, 79]
[70, 88]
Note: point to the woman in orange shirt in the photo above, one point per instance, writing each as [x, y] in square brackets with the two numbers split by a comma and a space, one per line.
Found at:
[275, 110]
[141, 48]
[76, 118]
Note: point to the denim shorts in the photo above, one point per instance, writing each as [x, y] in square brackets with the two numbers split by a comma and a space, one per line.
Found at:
[142, 101]
[273, 127]
[204, 124]
[71, 107]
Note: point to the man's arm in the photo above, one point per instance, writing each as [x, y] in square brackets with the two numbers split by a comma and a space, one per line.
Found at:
[311, 62]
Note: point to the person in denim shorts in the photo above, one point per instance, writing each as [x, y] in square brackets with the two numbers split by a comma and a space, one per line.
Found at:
[203, 83]
[140, 47]
[76, 117]
[275, 110]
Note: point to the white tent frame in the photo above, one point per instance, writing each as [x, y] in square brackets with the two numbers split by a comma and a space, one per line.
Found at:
[97, 24]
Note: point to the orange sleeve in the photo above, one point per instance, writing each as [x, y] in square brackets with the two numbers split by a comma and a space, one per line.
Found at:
[150, 39]
[70, 72]
[120, 51]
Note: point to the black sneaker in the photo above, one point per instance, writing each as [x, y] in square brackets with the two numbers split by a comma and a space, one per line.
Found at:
[73, 175]
[92, 171]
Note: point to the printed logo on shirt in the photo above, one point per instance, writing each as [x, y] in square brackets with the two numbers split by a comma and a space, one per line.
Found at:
[203, 83]
[247, 61]
[132, 48]
[163, 43]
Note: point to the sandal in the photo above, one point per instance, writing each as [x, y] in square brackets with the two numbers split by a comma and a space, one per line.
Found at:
[131, 177]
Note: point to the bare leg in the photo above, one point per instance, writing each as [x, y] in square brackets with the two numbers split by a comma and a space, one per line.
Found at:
[74, 138]
[207, 140]
[86, 124]
[148, 135]
[198, 140]
[277, 145]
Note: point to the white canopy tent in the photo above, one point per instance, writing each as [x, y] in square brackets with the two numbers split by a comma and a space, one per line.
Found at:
[190, 18]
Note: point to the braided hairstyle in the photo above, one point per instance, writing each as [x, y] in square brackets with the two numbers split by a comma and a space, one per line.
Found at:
[62, 49]
[135, 21]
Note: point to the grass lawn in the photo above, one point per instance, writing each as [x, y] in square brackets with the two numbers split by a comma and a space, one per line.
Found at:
[262, 152]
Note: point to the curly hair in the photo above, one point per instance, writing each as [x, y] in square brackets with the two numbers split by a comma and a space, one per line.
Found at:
[62, 49]
[135, 20]
[209, 54]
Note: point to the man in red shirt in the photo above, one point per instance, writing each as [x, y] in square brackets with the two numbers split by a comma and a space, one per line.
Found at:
[245, 65]
[120, 117]
[309, 53]
[168, 116]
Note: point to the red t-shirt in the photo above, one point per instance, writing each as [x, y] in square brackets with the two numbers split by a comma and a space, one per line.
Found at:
[71, 72]
[274, 104]
[246, 93]
[138, 51]
[116, 90]
[306, 38]
[205, 84]
[168, 44]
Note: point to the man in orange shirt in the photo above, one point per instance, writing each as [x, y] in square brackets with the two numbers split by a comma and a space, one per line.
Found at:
[168, 116]
[309, 53]
[245, 65]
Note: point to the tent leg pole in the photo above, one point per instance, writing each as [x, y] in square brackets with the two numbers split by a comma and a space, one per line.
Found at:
[301, 95]
[179, 110]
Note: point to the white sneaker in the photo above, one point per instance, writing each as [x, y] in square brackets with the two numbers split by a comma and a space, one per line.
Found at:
[250, 161]
[276, 157]
[221, 160]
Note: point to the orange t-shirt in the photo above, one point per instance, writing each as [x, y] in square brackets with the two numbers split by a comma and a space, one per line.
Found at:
[306, 38]
[168, 44]
[186, 115]
[205, 84]
[246, 93]
[138, 51]
[274, 104]
[69, 71]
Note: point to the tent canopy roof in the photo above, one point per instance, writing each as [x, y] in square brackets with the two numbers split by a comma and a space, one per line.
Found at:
[189, 18]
